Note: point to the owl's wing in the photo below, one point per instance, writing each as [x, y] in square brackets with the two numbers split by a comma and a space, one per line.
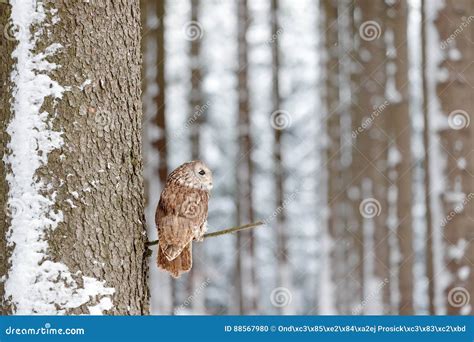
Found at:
[179, 216]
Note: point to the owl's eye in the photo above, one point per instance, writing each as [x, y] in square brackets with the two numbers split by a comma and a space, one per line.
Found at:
[202, 172]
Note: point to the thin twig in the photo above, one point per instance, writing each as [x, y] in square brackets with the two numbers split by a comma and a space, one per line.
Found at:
[219, 232]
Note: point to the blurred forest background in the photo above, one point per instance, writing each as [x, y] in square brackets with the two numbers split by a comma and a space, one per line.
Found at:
[344, 125]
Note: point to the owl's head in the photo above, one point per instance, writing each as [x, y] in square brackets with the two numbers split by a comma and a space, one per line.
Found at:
[194, 174]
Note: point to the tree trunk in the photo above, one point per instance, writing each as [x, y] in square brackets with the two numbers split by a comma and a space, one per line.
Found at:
[75, 197]
[426, 164]
[196, 118]
[454, 93]
[7, 45]
[369, 155]
[400, 159]
[246, 241]
[336, 219]
[283, 276]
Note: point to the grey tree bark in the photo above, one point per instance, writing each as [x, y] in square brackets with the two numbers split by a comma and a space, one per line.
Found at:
[96, 175]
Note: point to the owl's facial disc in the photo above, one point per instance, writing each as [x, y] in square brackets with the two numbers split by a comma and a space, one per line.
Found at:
[203, 175]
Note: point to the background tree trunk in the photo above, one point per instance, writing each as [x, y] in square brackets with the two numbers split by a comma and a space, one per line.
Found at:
[95, 174]
[245, 212]
[426, 164]
[400, 159]
[283, 271]
[336, 188]
[456, 104]
[369, 155]
[155, 139]
[197, 119]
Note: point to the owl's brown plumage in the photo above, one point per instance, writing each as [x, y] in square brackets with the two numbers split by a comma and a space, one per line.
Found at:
[181, 215]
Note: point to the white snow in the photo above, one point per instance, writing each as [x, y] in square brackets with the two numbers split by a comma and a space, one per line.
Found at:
[35, 284]
[104, 304]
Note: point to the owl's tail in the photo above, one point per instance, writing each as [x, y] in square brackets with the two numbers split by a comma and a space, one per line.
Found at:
[182, 263]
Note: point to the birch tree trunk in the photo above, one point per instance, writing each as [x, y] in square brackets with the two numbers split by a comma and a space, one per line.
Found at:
[74, 166]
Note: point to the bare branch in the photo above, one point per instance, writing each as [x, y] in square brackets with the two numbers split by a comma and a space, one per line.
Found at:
[219, 232]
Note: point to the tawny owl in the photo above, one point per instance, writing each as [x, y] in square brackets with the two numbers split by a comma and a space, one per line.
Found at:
[181, 215]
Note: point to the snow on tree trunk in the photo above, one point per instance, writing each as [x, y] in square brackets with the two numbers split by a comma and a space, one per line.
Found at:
[75, 206]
